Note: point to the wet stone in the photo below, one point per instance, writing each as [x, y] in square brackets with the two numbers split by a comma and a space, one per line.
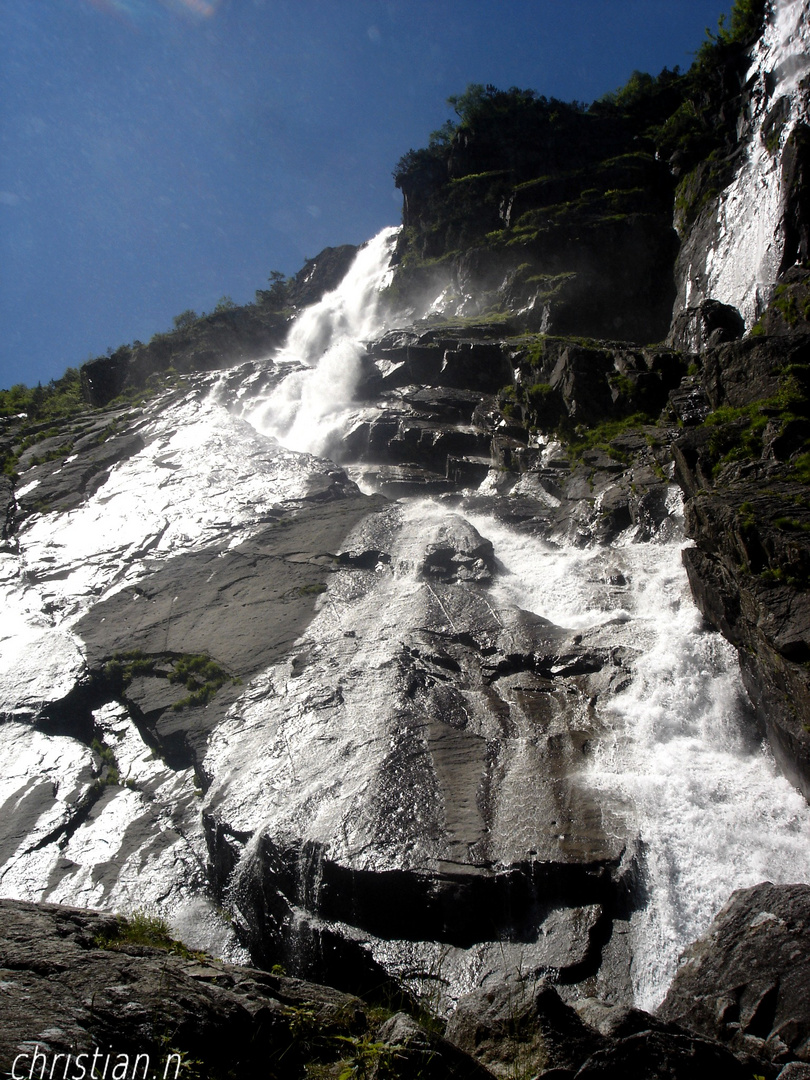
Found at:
[456, 551]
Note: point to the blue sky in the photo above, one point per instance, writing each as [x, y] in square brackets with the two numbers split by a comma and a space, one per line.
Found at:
[156, 155]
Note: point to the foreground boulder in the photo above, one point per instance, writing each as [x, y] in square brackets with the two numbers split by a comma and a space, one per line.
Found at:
[522, 1024]
[655, 1055]
[524, 1028]
[747, 980]
[79, 989]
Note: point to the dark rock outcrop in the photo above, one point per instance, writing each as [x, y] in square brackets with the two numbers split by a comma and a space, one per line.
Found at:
[789, 310]
[75, 984]
[710, 323]
[320, 275]
[8, 505]
[746, 982]
[219, 340]
[796, 198]
[748, 513]
[653, 1055]
[526, 1028]
[522, 1025]
[214, 341]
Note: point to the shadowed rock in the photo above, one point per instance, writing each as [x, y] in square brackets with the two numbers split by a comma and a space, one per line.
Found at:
[520, 1025]
[746, 981]
[76, 982]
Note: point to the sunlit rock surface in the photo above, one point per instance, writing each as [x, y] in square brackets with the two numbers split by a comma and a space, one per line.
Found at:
[197, 482]
[747, 235]
[329, 657]
[422, 742]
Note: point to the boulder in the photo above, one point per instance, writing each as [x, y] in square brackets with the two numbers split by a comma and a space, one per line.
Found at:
[795, 1070]
[746, 981]
[709, 323]
[657, 1055]
[620, 1021]
[456, 551]
[519, 1025]
[417, 1053]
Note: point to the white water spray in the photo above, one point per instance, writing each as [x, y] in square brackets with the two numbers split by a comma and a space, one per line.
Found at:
[307, 410]
[709, 804]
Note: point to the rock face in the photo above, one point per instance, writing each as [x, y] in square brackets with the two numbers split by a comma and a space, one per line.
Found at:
[459, 704]
[746, 236]
[749, 568]
[544, 209]
[435, 714]
[79, 993]
[218, 340]
[320, 275]
[83, 989]
[746, 981]
[335, 713]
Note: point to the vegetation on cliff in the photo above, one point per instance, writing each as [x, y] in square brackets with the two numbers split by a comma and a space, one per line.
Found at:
[60, 397]
[532, 180]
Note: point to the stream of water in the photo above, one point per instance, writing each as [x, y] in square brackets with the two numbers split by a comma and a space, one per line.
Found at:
[708, 802]
[705, 797]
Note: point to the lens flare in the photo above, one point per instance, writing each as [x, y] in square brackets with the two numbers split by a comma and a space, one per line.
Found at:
[136, 11]
[203, 8]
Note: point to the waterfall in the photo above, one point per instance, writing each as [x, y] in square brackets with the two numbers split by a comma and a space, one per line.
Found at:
[741, 262]
[676, 750]
[679, 752]
[711, 808]
[324, 349]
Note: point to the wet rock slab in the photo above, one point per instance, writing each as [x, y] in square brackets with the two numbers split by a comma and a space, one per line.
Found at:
[409, 775]
[242, 606]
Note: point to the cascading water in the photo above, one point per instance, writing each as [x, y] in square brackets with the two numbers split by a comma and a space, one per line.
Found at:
[308, 408]
[741, 263]
[710, 807]
[678, 752]
[450, 763]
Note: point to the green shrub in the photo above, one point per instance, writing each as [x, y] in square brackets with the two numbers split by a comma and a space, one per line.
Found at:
[185, 319]
[202, 676]
[599, 436]
[141, 928]
[801, 469]
[60, 398]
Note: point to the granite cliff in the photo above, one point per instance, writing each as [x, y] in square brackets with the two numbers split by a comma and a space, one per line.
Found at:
[355, 632]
